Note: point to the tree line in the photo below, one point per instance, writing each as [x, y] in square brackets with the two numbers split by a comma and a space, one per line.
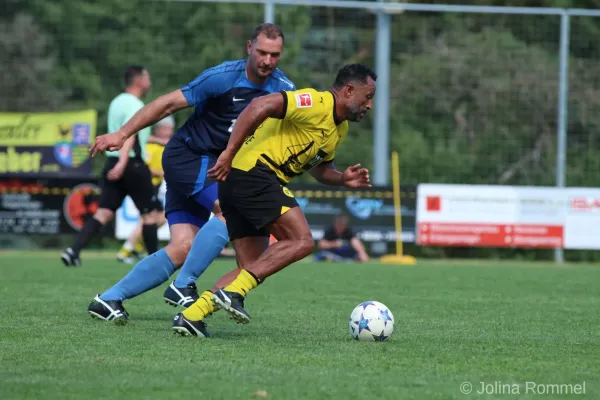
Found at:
[473, 96]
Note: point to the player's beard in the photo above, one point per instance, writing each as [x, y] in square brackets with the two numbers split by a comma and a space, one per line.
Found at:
[355, 112]
[264, 71]
[259, 71]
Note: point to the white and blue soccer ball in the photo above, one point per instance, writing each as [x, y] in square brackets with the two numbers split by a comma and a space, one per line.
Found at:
[371, 321]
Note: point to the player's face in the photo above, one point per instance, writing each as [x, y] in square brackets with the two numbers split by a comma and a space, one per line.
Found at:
[360, 99]
[341, 223]
[263, 55]
[144, 82]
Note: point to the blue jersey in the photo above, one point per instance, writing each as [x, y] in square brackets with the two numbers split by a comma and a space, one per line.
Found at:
[220, 94]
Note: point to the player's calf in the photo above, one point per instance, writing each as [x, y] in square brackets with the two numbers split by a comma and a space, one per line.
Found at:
[179, 247]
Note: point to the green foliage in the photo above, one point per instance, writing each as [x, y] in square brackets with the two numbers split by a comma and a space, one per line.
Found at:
[26, 79]
[473, 96]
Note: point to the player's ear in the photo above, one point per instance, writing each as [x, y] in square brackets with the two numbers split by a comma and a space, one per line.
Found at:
[349, 89]
[249, 46]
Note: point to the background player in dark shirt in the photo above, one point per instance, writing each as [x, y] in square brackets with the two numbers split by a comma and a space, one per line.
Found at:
[340, 243]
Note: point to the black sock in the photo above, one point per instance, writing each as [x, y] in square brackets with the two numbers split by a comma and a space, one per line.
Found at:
[87, 233]
[150, 235]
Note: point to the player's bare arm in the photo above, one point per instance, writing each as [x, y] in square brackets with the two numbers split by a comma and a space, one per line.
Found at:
[327, 174]
[360, 249]
[151, 113]
[259, 109]
[353, 177]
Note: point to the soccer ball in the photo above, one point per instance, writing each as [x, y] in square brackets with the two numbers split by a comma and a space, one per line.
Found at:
[371, 321]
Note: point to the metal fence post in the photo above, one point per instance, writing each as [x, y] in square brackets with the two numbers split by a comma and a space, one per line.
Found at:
[381, 127]
[269, 11]
[561, 126]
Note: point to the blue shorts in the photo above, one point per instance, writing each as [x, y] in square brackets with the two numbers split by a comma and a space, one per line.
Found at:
[190, 193]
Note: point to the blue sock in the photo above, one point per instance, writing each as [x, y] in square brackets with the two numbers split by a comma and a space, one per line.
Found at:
[147, 274]
[207, 246]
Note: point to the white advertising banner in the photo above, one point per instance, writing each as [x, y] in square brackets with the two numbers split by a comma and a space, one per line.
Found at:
[508, 216]
[582, 224]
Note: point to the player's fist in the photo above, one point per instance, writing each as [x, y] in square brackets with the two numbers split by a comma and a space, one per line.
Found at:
[221, 168]
[356, 177]
[110, 142]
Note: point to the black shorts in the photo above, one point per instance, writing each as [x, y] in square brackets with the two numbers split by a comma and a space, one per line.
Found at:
[136, 182]
[252, 200]
[157, 205]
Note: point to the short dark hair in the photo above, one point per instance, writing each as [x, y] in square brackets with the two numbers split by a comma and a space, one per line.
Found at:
[132, 72]
[353, 73]
[271, 31]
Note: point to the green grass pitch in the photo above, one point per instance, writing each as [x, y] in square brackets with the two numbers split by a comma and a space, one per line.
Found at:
[498, 323]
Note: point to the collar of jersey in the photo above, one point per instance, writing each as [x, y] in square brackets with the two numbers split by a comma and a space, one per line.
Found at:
[335, 117]
[254, 84]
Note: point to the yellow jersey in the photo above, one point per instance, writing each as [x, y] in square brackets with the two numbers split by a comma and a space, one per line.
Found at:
[307, 135]
[154, 152]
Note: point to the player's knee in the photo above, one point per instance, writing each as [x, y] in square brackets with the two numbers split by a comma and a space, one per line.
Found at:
[217, 208]
[305, 246]
[161, 219]
[179, 249]
[103, 215]
[149, 218]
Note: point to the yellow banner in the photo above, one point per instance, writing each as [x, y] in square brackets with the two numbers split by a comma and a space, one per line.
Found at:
[48, 129]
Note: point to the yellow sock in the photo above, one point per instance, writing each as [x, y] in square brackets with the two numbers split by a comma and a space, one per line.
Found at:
[139, 246]
[124, 253]
[203, 307]
[244, 283]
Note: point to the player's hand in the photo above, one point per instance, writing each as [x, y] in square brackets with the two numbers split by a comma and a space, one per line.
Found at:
[116, 172]
[356, 177]
[221, 168]
[110, 141]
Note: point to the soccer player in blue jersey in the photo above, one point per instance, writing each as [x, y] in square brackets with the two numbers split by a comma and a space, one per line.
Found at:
[219, 94]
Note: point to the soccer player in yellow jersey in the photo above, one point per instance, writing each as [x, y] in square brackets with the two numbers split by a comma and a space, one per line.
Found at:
[162, 132]
[275, 139]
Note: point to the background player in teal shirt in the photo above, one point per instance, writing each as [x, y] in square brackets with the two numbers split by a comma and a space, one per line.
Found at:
[125, 172]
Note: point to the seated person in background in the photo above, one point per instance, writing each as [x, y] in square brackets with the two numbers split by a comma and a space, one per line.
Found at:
[339, 243]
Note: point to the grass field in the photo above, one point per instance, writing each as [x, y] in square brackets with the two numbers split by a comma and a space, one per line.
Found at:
[455, 322]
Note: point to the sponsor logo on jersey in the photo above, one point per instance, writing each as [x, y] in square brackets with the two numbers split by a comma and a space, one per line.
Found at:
[303, 100]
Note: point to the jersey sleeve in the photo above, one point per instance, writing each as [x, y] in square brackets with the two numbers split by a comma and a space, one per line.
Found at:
[303, 107]
[206, 85]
